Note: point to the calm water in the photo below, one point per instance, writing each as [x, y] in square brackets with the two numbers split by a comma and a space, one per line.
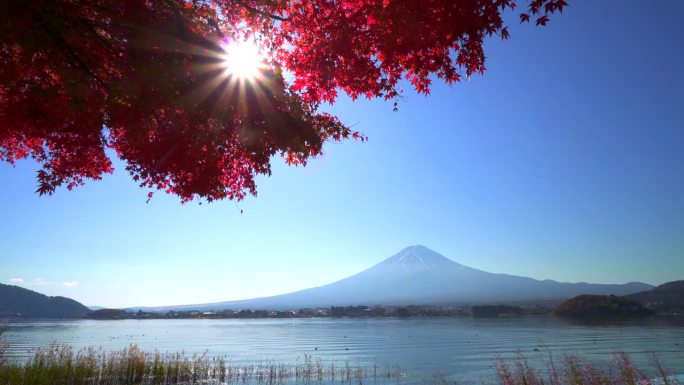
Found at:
[463, 349]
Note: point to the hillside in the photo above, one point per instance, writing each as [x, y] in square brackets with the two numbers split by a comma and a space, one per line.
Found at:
[108, 314]
[17, 301]
[418, 275]
[601, 306]
[666, 298]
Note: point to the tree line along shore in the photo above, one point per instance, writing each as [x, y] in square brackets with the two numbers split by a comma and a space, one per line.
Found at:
[585, 306]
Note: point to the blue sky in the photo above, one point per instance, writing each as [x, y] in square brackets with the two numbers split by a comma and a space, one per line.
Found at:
[564, 161]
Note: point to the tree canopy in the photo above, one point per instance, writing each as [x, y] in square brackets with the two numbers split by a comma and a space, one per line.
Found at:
[148, 80]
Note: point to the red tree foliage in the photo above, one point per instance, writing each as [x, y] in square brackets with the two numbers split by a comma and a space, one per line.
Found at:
[145, 79]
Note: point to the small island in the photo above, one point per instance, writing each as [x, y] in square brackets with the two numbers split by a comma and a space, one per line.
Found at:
[601, 306]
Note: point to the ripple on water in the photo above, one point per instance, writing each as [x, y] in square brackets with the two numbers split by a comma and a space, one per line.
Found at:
[461, 348]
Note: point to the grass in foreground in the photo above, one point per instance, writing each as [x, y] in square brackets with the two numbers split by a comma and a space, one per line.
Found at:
[572, 370]
[62, 365]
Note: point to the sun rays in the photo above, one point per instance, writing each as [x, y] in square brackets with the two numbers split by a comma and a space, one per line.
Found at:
[237, 76]
[242, 59]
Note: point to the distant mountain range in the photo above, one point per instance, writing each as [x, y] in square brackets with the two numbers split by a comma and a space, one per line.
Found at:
[17, 301]
[418, 275]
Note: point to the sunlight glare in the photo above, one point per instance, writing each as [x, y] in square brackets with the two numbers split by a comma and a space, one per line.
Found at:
[243, 59]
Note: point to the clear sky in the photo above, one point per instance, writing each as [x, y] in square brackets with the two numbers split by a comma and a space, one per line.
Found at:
[564, 161]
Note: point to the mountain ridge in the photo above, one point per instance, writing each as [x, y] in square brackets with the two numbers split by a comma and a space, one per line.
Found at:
[665, 298]
[20, 302]
[418, 275]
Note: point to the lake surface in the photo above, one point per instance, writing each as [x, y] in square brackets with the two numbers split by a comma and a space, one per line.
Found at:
[463, 349]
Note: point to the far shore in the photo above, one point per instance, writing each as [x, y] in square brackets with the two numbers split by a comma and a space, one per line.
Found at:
[361, 311]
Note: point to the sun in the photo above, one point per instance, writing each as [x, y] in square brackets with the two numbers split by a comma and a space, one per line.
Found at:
[243, 59]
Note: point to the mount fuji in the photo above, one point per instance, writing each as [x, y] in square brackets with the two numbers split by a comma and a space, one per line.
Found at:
[418, 275]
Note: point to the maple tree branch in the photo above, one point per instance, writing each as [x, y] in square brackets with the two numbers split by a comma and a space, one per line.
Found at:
[260, 12]
[92, 29]
[179, 18]
[66, 48]
[212, 22]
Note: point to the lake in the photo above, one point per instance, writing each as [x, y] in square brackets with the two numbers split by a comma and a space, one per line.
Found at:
[463, 349]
